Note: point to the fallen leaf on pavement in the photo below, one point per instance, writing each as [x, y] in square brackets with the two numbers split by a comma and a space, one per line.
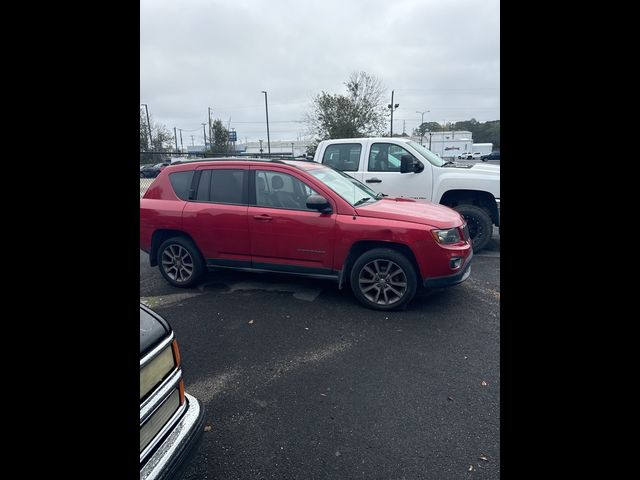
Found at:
[450, 399]
[483, 383]
[482, 457]
[470, 468]
[250, 321]
[207, 428]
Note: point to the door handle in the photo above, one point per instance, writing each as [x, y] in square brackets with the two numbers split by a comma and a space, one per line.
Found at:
[263, 218]
[373, 180]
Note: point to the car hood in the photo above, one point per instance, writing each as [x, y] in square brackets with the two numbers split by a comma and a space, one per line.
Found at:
[410, 210]
[485, 167]
[153, 328]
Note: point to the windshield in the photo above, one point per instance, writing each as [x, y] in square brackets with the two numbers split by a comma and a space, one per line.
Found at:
[347, 187]
[427, 154]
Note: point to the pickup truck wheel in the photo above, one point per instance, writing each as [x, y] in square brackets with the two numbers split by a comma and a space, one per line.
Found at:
[180, 262]
[479, 224]
[383, 279]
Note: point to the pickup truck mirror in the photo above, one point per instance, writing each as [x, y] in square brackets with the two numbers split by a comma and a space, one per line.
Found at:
[409, 165]
[318, 202]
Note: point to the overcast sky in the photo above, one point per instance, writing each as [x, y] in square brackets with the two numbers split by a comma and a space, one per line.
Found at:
[442, 56]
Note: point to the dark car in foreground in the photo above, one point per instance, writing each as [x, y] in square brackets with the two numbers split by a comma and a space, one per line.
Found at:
[491, 156]
[171, 420]
[152, 171]
[300, 218]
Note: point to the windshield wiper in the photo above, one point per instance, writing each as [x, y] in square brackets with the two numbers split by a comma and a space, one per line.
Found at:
[361, 201]
[448, 163]
[381, 195]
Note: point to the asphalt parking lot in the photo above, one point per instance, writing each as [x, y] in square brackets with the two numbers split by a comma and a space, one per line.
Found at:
[301, 382]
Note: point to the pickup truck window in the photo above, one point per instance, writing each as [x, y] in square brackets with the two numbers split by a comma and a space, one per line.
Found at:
[343, 156]
[280, 190]
[347, 187]
[385, 157]
[427, 154]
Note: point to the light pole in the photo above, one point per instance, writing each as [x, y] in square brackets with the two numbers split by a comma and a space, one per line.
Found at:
[392, 106]
[292, 154]
[260, 147]
[175, 136]
[210, 132]
[181, 146]
[204, 135]
[266, 109]
[146, 108]
[422, 123]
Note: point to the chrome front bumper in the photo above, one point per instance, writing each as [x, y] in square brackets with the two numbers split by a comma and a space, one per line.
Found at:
[171, 454]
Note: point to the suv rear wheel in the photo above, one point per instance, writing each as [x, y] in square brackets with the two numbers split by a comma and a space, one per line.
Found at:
[383, 279]
[180, 262]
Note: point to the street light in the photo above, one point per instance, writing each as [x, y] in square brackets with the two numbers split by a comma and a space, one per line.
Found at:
[181, 145]
[148, 125]
[260, 147]
[392, 106]
[292, 153]
[204, 135]
[210, 131]
[422, 123]
[266, 109]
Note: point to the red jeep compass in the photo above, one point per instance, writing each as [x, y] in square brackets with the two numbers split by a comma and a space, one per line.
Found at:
[302, 218]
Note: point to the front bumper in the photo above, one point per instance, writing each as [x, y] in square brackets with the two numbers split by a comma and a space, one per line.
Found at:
[171, 456]
[450, 280]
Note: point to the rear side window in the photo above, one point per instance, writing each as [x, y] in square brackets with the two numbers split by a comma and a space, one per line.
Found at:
[343, 156]
[228, 186]
[181, 183]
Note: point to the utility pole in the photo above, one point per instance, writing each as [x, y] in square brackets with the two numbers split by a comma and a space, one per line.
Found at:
[404, 125]
[260, 147]
[181, 146]
[422, 129]
[192, 144]
[175, 136]
[266, 109]
[210, 131]
[392, 106]
[292, 154]
[204, 135]
[148, 126]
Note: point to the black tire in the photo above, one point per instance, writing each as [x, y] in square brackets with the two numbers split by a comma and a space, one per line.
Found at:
[479, 224]
[396, 279]
[180, 262]
[484, 159]
[141, 175]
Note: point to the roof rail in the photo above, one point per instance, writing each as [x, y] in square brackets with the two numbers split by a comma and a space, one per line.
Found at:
[244, 159]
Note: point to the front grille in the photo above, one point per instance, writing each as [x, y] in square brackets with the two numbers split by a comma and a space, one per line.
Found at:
[465, 231]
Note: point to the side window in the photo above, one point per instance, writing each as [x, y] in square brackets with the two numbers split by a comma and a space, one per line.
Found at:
[227, 186]
[343, 156]
[181, 183]
[280, 190]
[202, 195]
[385, 157]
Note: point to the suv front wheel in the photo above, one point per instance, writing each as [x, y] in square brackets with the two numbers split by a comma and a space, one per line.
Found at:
[180, 262]
[383, 279]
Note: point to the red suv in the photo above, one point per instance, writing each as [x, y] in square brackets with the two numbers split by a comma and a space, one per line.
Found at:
[302, 218]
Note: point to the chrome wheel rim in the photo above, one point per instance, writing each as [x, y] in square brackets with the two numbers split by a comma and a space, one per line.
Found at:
[177, 263]
[383, 282]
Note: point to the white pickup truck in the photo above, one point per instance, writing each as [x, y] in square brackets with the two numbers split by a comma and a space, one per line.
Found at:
[403, 168]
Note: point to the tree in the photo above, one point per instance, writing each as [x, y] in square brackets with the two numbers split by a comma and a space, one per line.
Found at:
[162, 140]
[220, 137]
[427, 127]
[359, 113]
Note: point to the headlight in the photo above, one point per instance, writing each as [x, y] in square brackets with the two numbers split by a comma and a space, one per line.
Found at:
[451, 235]
[152, 373]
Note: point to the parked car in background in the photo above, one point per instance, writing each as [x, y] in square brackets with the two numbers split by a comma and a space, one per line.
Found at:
[301, 218]
[491, 156]
[171, 420]
[470, 156]
[152, 171]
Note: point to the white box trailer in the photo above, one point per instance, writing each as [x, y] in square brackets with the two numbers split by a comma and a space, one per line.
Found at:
[483, 148]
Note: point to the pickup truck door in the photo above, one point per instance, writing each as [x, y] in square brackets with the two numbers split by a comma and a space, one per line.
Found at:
[382, 172]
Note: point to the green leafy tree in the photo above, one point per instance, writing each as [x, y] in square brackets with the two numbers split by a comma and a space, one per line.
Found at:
[427, 127]
[359, 113]
[220, 137]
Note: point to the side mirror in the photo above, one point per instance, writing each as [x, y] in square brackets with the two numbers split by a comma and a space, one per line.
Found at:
[409, 165]
[318, 202]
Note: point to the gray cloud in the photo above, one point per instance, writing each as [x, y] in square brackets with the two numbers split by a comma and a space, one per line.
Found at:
[437, 56]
